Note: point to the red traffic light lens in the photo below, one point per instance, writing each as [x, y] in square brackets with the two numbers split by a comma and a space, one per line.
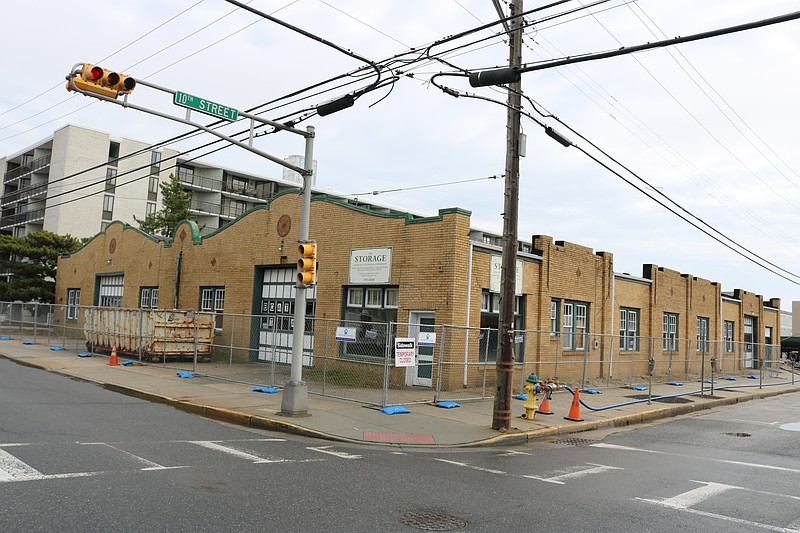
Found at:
[96, 73]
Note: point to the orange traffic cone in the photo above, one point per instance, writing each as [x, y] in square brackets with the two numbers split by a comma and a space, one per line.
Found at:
[544, 407]
[113, 361]
[575, 409]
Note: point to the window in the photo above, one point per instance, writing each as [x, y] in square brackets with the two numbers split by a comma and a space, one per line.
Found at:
[186, 174]
[355, 297]
[670, 338]
[148, 297]
[113, 153]
[369, 312]
[151, 209]
[110, 291]
[575, 326]
[554, 312]
[728, 332]
[73, 303]
[111, 179]
[152, 189]
[108, 207]
[490, 321]
[155, 162]
[391, 298]
[212, 300]
[374, 297]
[628, 330]
[702, 334]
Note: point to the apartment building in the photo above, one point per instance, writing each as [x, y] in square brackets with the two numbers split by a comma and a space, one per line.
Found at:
[78, 180]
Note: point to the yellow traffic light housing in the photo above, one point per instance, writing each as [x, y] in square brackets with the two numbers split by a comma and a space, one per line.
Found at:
[307, 264]
[97, 80]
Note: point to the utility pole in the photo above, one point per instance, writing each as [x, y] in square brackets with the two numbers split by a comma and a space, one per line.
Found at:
[501, 417]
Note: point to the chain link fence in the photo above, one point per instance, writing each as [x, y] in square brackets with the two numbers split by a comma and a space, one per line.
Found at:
[355, 360]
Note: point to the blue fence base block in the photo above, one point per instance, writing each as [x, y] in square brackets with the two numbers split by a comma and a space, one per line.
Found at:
[730, 378]
[752, 376]
[711, 382]
[84, 354]
[640, 387]
[591, 391]
[56, 348]
[268, 390]
[675, 383]
[185, 374]
[5, 338]
[127, 363]
[395, 410]
[521, 397]
[447, 405]
[28, 342]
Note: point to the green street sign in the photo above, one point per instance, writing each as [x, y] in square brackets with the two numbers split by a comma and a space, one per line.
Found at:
[205, 106]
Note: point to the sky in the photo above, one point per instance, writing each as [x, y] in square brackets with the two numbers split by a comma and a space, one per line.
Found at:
[711, 125]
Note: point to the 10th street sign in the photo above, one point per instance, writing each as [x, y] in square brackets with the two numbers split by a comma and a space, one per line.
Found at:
[205, 106]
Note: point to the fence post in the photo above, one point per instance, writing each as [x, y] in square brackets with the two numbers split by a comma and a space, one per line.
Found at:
[438, 391]
[485, 360]
[702, 370]
[141, 338]
[325, 359]
[194, 355]
[233, 335]
[386, 355]
[585, 361]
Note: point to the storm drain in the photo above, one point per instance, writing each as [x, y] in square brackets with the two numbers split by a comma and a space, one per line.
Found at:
[432, 521]
[573, 441]
[738, 434]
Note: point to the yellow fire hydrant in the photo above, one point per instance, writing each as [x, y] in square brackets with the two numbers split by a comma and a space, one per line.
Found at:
[530, 401]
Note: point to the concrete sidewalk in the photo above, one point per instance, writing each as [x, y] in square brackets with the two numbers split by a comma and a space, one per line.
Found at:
[425, 425]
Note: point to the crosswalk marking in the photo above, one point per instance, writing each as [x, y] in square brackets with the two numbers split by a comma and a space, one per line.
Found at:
[212, 445]
[149, 465]
[12, 469]
[724, 461]
[559, 480]
[683, 502]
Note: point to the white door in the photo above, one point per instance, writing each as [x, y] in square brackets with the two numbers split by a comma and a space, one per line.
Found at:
[421, 375]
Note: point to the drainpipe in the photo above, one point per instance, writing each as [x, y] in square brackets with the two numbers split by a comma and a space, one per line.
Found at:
[611, 347]
[469, 299]
[177, 279]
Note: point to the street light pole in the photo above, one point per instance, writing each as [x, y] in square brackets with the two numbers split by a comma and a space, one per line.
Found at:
[501, 416]
[294, 401]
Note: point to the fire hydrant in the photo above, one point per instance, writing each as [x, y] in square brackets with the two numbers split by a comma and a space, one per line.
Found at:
[530, 401]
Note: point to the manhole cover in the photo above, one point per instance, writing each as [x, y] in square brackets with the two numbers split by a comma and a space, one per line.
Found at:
[432, 521]
[573, 441]
[738, 434]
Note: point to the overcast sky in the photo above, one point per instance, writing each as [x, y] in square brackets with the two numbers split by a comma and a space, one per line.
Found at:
[710, 124]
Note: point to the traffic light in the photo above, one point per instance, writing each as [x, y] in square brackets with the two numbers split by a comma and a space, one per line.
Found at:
[307, 264]
[100, 81]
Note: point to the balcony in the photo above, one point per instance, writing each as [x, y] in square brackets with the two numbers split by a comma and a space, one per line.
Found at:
[34, 166]
[21, 218]
[24, 194]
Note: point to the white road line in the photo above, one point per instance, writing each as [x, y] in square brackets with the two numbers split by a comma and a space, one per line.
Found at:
[598, 469]
[12, 469]
[511, 453]
[467, 465]
[149, 465]
[211, 445]
[695, 496]
[341, 455]
[725, 461]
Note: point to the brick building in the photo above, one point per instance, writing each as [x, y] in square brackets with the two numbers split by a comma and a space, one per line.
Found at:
[423, 272]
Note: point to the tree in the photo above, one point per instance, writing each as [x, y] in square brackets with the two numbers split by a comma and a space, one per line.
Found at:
[175, 203]
[31, 263]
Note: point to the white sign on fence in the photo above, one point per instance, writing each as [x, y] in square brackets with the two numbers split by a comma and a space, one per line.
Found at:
[405, 352]
[346, 334]
[426, 338]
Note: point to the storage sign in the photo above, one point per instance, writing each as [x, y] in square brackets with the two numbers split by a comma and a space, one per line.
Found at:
[370, 266]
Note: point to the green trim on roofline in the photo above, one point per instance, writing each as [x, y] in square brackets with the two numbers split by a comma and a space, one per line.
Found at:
[125, 227]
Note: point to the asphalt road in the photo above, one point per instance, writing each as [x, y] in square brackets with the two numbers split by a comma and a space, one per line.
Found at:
[76, 457]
